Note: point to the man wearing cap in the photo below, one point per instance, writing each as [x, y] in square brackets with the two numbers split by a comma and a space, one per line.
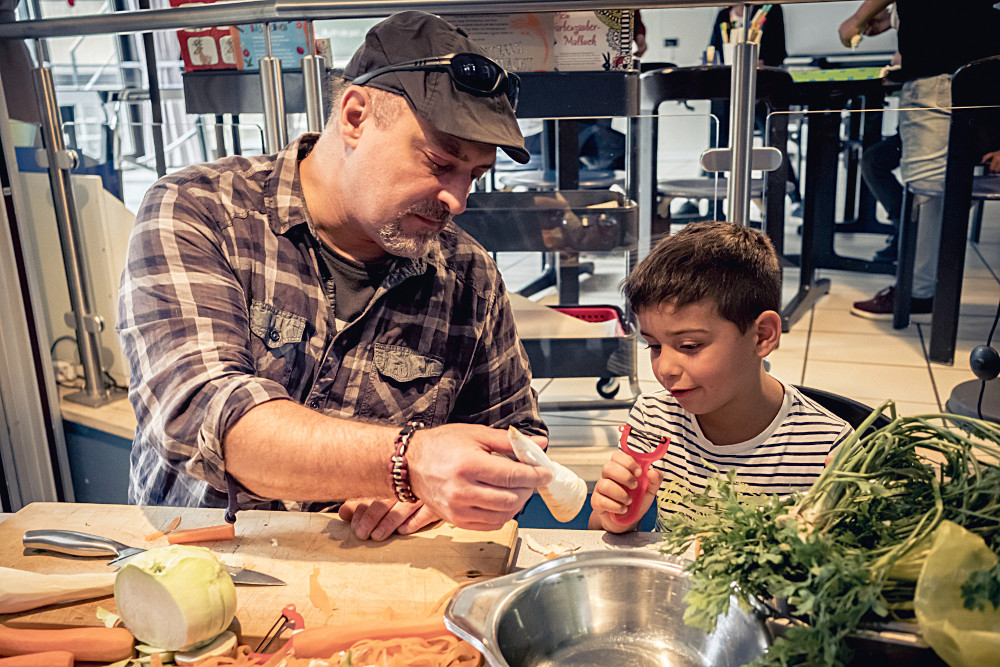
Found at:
[310, 327]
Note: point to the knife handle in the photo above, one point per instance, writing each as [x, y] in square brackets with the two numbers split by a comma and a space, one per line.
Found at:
[72, 542]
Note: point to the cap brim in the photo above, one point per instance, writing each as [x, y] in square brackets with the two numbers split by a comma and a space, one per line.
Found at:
[484, 119]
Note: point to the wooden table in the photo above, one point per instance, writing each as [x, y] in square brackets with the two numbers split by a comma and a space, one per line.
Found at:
[363, 579]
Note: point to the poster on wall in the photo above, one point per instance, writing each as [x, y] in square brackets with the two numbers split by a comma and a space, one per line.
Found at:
[553, 41]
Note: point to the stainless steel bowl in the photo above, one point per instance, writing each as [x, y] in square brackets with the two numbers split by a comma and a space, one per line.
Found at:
[602, 609]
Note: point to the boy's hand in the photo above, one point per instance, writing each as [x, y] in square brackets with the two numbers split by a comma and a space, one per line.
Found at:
[611, 493]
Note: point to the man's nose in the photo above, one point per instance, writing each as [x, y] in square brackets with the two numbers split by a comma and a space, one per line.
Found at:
[455, 194]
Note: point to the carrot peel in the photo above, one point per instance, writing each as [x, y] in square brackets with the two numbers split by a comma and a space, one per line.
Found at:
[322, 642]
[169, 529]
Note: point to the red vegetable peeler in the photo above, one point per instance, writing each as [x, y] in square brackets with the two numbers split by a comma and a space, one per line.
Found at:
[644, 459]
[290, 620]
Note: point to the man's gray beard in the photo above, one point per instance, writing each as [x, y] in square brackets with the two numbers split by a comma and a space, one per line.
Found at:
[407, 245]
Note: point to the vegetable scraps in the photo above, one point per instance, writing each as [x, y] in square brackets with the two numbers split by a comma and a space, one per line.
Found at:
[850, 550]
[175, 598]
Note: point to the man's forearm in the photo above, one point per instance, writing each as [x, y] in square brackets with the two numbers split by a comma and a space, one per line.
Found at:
[281, 449]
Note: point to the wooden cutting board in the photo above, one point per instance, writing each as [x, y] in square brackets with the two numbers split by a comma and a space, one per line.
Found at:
[363, 579]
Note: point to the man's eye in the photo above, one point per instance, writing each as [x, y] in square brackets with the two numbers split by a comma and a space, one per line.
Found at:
[690, 347]
[436, 167]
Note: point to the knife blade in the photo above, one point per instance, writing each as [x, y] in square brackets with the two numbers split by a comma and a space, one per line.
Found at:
[83, 544]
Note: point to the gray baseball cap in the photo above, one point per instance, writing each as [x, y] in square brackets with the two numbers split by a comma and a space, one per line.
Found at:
[421, 42]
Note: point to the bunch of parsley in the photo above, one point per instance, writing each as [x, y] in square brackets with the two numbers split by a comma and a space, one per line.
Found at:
[848, 551]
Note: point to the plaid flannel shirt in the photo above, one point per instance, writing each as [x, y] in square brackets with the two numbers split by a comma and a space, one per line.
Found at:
[222, 308]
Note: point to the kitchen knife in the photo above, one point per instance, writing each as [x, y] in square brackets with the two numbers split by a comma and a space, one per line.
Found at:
[82, 544]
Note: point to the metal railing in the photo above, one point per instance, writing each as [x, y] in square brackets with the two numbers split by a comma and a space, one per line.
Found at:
[60, 161]
[268, 11]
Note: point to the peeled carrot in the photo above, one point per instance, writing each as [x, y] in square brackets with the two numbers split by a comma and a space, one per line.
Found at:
[95, 644]
[325, 641]
[226, 531]
[43, 659]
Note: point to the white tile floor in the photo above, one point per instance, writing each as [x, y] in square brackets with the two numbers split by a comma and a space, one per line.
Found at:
[828, 348]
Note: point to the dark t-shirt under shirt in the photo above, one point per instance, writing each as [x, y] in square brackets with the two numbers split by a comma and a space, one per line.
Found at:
[350, 285]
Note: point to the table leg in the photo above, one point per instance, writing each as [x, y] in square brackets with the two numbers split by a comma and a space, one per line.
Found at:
[818, 213]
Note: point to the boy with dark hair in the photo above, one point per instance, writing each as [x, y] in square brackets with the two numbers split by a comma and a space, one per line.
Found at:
[707, 301]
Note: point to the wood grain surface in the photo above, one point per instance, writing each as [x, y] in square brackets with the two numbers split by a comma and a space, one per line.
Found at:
[363, 579]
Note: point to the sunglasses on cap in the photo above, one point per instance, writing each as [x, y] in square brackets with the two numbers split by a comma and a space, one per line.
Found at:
[471, 73]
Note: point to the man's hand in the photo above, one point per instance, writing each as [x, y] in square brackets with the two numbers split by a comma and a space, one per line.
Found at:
[379, 518]
[992, 162]
[454, 471]
[619, 476]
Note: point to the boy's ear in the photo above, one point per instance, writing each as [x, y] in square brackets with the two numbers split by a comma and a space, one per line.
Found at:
[768, 326]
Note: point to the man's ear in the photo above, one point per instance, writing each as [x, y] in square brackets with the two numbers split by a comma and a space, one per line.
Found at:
[768, 328]
[355, 108]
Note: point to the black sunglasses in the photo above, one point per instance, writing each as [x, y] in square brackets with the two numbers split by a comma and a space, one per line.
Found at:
[471, 73]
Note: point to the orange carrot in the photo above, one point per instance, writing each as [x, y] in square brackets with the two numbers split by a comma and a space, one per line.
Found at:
[95, 644]
[325, 641]
[160, 533]
[43, 659]
[226, 531]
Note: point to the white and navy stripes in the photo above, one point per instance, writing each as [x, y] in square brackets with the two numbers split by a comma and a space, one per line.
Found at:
[787, 456]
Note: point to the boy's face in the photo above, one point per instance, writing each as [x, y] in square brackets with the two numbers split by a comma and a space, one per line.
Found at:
[700, 358]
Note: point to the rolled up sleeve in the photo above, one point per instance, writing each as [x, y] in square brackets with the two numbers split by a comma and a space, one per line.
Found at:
[184, 328]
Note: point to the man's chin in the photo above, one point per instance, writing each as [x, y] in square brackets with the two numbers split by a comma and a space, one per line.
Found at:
[412, 247]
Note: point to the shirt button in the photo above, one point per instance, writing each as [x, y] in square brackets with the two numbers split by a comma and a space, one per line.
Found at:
[274, 335]
[314, 404]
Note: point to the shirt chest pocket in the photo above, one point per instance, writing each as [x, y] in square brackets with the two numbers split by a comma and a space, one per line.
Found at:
[277, 343]
[406, 384]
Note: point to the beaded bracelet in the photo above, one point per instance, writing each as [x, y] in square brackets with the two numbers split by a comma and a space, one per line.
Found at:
[400, 469]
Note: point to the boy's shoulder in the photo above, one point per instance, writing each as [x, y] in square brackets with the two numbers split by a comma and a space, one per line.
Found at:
[807, 417]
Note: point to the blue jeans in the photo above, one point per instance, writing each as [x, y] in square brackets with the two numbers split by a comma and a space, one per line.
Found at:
[924, 123]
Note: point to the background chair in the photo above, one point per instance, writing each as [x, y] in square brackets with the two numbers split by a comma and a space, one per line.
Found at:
[713, 83]
[851, 411]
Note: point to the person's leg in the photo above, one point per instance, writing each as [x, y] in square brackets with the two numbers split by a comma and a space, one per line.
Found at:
[924, 133]
[877, 164]
[924, 123]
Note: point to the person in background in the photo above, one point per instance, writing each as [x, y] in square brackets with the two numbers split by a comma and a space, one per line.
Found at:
[878, 163]
[933, 43]
[880, 160]
[707, 301]
[772, 51]
[311, 327]
[639, 36]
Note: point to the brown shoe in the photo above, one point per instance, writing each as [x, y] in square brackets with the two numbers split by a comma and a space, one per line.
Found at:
[879, 307]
